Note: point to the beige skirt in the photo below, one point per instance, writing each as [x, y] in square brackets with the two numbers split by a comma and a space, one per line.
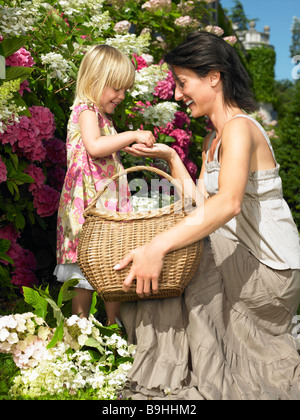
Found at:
[229, 337]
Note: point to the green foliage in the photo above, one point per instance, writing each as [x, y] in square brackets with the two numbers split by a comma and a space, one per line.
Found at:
[261, 67]
[287, 149]
[238, 16]
[295, 46]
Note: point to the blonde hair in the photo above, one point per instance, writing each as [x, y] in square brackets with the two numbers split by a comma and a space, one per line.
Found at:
[102, 66]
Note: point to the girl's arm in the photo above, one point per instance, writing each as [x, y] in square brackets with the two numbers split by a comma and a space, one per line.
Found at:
[177, 168]
[99, 146]
[147, 261]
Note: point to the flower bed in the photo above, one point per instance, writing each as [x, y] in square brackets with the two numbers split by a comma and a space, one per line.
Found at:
[78, 355]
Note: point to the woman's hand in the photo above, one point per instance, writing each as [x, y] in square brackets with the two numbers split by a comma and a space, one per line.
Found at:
[157, 151]
[147, 264]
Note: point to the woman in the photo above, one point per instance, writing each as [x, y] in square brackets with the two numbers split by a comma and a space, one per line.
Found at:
[229, 335]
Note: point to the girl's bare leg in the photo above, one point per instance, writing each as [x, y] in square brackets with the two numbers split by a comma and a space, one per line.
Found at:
[112, 312]
[81, 303]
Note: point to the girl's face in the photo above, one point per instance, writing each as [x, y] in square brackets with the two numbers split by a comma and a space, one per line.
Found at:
[110, 99]
[195, 92]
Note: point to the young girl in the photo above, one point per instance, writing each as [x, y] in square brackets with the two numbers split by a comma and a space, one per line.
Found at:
[104, 76]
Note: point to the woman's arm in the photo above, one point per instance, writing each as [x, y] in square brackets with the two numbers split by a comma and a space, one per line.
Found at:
[177, 168]
[147, 261]
[101, 146]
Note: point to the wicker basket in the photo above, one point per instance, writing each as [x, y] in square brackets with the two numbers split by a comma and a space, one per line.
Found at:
[106, 238]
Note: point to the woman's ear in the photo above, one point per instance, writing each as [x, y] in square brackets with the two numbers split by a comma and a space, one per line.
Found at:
[214, 78]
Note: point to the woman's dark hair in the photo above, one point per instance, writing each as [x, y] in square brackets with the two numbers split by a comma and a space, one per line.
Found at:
[203, 52]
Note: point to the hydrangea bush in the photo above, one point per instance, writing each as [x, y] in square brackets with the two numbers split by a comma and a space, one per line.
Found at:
[77, 354]
[42, 44]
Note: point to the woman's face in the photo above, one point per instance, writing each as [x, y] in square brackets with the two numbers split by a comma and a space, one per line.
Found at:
[197, 93]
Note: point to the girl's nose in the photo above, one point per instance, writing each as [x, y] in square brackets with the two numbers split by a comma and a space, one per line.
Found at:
[121, 94]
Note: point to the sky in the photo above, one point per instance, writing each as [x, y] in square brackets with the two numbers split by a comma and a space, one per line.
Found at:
[278, 14]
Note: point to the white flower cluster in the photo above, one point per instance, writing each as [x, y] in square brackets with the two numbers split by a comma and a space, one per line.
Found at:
[146, 79]
[58, 65]
[130, 43]
[160, 114]
[75, 7]
[122, 27]
[9, 111]
[153, 5]
[70, 372]
[78, 330]
[99, 22]
[65, 366]
[18, 21]
[148, 204]
[25, 336]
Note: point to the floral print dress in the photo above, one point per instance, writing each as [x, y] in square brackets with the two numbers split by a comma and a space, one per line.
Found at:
[85, 176]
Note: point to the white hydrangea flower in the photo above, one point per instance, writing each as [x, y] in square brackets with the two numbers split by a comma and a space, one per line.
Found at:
[160, 114]
[146, 79]
[130, 43]
[17, 21]
[58, 65]
[9, 111]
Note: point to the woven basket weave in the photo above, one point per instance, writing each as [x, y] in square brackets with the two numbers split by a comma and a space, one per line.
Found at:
[106, 238]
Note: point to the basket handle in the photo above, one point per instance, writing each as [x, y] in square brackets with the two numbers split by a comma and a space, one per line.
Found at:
[129, 170]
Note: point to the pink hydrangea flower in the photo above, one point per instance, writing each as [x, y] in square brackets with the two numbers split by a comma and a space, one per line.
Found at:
[9, 232]
[181, 153]
[46, 200]
[139, 62]
[122, 27]
[37, 174]
[10, 136]
[21, 58]
[24, 86]
[3, 171]
[181, 119]
[191, 167]
[26, 140]
[215, 30]
[56, 152]
[24, 260]
[231, 39]
[165, 88]
[182, 138]
[43, 119]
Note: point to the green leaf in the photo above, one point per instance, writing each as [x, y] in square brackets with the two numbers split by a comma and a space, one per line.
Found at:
[58, 315]
[21, 73]
[19, 221]
[58, 335]
[33, 298]
[91, 342]
[93, 309]
[65, 294]
[11, 45]
[20, 176]
[4, 247]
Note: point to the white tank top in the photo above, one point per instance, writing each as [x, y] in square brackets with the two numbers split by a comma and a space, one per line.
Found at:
[265, 225]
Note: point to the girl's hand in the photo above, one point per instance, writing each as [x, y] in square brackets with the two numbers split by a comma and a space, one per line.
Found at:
[145, 137]
[147, 264]
[157, 151]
